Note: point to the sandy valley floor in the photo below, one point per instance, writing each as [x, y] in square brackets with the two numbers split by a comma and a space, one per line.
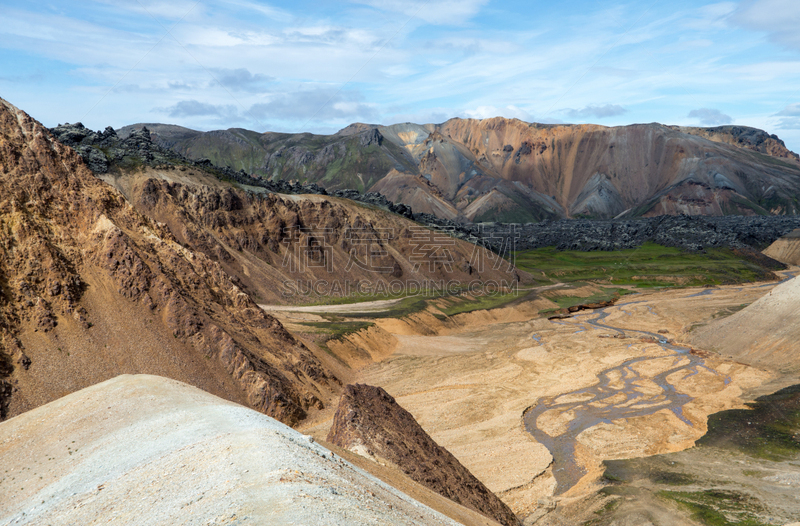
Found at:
[471, 380]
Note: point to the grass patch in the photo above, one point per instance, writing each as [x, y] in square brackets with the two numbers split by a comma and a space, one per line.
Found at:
[457, 302]
[672, 478]
[770, 429]
[337, 330]
[650, 265]
[657, 469]
[462, 304]
[605, 294]
[608, 508]
[717, 507]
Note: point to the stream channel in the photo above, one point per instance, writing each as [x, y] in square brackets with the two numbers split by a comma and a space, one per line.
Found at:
[602, 402]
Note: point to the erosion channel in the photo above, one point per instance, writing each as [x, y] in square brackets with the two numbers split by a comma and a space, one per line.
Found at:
[619, 394]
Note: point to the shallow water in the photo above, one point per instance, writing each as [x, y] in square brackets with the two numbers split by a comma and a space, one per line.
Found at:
[592, 405]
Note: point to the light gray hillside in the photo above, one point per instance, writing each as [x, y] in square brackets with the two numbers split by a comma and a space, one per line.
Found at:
[148, 450]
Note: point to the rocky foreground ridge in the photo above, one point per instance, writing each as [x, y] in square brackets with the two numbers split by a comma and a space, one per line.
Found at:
[370, 422]
[511, 171]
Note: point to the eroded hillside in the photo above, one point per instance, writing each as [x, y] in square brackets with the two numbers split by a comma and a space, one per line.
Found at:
[92, 289]
[162, 276]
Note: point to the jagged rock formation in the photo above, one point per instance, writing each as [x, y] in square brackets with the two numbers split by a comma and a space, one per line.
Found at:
[144, 450]
[511, 171]
[786, 249]
[765, 333]
[91, 288]
[281, 248]
[687, 232]
[370, 422]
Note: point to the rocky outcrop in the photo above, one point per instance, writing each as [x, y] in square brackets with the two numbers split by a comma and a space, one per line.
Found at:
[746, 137]
[370, 422]
[101, 149]
[93, 288]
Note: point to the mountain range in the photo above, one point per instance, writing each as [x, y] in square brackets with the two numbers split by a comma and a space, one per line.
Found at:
[508, 170]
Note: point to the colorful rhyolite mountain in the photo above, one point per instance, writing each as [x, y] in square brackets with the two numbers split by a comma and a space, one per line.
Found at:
[508, 170]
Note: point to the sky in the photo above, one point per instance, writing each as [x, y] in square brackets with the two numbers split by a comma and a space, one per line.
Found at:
[319, 66]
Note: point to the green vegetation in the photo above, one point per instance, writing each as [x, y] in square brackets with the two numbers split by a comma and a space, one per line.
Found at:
[650, 265]
[609, 507]
[405, 307]
[672, 478]
[456, 302]
[717, 507]
[462, 304]
[658, 469]
[605, 294]
[770, 429]
[337, 329]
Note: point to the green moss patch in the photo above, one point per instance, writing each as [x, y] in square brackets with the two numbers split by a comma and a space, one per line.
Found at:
[650, 265]
[718, 507]
[770, 429]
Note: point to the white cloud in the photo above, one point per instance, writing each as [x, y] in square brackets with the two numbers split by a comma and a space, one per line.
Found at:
[319, 104]
[710, 117]
[780, 19]
[172, 10]
[194, 108]
[264, 9]
[487, 112]
[792, 110]
[710, 17]
[789, 117]
[442, 12]
[241, 79]
[599, 112]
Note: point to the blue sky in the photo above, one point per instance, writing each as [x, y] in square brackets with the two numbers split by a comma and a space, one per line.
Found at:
[318, 66]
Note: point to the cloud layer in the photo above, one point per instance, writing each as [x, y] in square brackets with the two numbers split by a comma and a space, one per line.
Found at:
[320, 66]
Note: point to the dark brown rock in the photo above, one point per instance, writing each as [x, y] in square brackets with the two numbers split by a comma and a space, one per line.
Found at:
[368, 418]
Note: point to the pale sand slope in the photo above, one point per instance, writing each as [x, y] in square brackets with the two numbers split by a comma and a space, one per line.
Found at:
[765, 333]
[148, 450]
[786, 249]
